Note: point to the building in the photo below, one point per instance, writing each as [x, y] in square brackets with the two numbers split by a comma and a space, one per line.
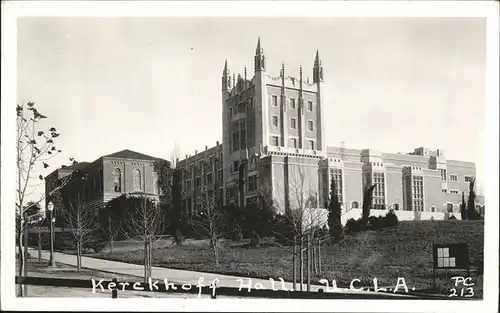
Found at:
[110, 176]
[273, 140]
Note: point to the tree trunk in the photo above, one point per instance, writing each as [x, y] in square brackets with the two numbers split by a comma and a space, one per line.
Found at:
[39, 245]
[26, 228]
[79, 255]
[319, 257]
[145, 260]
[315, 267]
[294, 263]
[301, 262]
[21, 258]
[308, 262]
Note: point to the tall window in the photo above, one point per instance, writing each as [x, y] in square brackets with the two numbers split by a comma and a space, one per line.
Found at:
[293, 123]
[275, 121]
[449, 207]
[137, 180]
[293, 142]
[209, 178]
[198, 181]
[395, 206]
[276, 141]
[219, 173]
[309, 105]
[252, 183]
[379, 191]
[292, 103]
[155, 182]
[355, 205]
[418, 193]
[275, 101]
[311, 144]
[236, 140]
[310, 125]
[336, 174]
[453, 177]
[443, 174]
[117, 180]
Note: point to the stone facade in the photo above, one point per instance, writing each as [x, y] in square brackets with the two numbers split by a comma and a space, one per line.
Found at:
[273, 138]
[108, 177]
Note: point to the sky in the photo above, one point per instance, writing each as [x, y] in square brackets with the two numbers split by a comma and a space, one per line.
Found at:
[147, 84]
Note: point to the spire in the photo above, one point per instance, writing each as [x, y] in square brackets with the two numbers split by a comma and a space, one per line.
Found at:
[259, 50]
[317, 69]
[260, 60]
[226, 79]
[317, 62]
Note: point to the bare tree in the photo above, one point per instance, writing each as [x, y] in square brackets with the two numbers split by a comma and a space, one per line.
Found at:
[210, 222]
[81, 222]
[34, 147]
[300, 215]
[147, 223]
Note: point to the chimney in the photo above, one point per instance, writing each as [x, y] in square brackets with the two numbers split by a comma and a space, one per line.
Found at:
[217, 142]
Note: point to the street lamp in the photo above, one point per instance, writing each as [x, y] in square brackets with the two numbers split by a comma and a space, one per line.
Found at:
[50, 207]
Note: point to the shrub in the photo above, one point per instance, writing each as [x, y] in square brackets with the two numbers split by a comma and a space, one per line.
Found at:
[255, 239]
[376, 223]
[452, 217]
[391, 219]
[352, 226]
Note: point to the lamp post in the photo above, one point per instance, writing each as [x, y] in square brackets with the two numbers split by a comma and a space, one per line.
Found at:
[50, 207]
[39, 239]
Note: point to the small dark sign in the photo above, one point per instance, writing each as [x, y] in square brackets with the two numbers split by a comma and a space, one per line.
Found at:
[450, 256]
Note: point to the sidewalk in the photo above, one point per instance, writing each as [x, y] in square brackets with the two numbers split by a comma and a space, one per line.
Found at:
[172, 275]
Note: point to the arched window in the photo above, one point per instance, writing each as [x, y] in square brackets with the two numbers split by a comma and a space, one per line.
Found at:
[155, 183]
[117, 180]
[395, 206]
[137, 181]
[355, 205]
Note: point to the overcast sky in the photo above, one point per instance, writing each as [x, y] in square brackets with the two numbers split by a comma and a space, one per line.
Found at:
[391, 84]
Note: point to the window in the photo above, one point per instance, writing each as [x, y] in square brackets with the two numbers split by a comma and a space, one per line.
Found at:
[292, 103]
[336, 174]
[311, 144]
[309, 105]
[198, 181]
[117, 180]
[293, 123]
[355, 205]
[236, 140]
[209, 178]
[444, 190]
[137, 181]
[468, 179]
[275, 121]
[219, 173]
[449, 207]
[275, 101]
[275, 141]
[418, 193]
[379, 191]
[252, 183]
[189, 184]
[236, 166]
[443, 174]
[444, 259]
[453, 177]
[433, 209]
[155, 182]
[395, 206]
[454, 191]
[310, 125]
[293, 142]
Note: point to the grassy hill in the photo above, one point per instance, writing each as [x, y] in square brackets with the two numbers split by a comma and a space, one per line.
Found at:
[401, 251]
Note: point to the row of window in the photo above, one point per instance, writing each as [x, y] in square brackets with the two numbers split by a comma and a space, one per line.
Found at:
[293, 103]
[294, 143]
[453, 191]
[207, 179]
[293, 123]
[454, 177]
[137, 180]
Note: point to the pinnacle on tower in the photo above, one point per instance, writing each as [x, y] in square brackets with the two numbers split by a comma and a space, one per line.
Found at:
[317, 62]
[260, 60]
[317, 69]
[259, 50]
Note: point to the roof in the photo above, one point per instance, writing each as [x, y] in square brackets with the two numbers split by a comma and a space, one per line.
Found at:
[129, 154]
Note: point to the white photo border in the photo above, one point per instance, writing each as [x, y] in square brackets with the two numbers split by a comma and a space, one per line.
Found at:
[11, 10]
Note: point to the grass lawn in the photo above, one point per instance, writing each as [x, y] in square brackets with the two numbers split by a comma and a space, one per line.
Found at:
[401, 251]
